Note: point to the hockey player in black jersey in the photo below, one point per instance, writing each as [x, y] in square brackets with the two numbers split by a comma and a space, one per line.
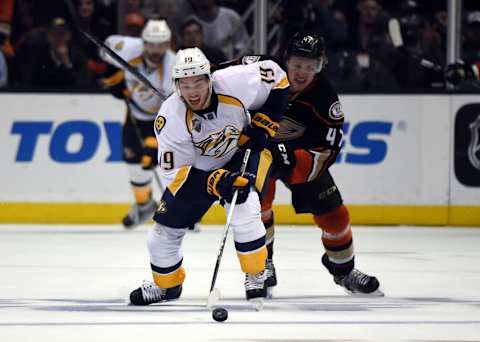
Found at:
[306, 145]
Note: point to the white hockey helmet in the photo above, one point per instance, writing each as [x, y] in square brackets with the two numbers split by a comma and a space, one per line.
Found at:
[156, 31]
[190, 62]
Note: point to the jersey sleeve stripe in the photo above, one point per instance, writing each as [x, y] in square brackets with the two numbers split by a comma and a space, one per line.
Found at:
[282, 84]
[115, 79]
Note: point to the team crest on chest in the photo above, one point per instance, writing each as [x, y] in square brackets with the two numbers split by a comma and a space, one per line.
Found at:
[218, 144]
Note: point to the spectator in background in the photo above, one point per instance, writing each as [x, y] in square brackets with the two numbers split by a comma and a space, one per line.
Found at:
[6, 17]
[419, 40]
[91, 22]
[221, 26]
[191, 35]
[48, 59]
[134, 23]
[3, 71]
[317, 16]
[471, 45]
[369, 49]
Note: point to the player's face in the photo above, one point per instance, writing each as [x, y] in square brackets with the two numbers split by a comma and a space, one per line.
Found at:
[301, 72]
[155, 51]
[195, 91]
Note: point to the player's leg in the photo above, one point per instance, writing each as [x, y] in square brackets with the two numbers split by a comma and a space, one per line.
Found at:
[267, 198]
[140, 180]
[323, 199]
[248, 229]
[183, 203]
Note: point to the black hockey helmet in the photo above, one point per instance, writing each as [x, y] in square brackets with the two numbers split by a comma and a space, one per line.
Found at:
[307, 44]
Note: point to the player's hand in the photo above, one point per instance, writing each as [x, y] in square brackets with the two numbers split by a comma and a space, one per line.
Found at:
[150, 152]
[253, 137]
[283, 159]
[458, 72]
[223, 183]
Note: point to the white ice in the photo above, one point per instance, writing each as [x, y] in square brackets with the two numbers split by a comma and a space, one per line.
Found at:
[70, 283]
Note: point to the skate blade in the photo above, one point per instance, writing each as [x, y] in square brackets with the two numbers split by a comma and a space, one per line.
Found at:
[270, 292]
[257, 303]
[376, 293]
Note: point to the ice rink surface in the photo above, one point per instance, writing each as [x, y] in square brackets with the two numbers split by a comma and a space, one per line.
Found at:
[70, 283]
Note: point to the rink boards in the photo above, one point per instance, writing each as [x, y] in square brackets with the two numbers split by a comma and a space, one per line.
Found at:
[407, 159]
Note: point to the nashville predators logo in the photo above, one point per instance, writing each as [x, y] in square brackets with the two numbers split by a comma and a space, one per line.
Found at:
[219, 143]
[159, 123]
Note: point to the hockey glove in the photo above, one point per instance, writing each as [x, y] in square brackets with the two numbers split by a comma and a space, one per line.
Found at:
[150, 151]
[283, 159]
[255, 135]
[223, 183]
[458, 72]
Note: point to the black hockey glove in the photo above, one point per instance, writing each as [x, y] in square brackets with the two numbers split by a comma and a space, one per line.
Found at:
[458, 72]
[223, 183]
[283, 159]
[255, 135]
[150, 151]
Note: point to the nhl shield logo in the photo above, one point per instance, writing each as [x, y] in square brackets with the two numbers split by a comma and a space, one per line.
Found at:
[474, 145]
[467, 145]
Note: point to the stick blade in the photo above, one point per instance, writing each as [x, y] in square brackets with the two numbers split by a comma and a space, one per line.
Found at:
[213, 298]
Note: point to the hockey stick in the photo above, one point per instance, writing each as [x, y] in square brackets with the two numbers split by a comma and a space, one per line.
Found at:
[397, 40]
[129, 68]
[214, 294]
[111, 53]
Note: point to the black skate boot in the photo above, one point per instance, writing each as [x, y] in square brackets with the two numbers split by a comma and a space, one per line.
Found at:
[270, 273]
[150, 293]
[139, 213]
[357, 282]
[255, 285]
[351, 279]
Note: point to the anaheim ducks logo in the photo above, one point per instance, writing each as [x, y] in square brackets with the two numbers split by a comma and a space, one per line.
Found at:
[219, 143]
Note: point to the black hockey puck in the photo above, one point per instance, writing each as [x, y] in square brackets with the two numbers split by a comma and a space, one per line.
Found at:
[220, 314]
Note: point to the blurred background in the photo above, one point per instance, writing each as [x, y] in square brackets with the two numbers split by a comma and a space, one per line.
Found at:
[361, 55]
[411, 150]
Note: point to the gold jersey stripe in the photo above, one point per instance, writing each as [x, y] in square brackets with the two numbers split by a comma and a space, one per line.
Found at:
[282, 84]
[136, 61]
[263, 167]
[115, 79]
[230, 100]
[180, 178]
[188, 120]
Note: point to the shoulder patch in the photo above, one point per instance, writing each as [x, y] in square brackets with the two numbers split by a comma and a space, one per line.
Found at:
[336, 112]
[119, 45]
[159, 124]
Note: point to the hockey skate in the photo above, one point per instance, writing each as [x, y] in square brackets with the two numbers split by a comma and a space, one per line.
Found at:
[271, 274]
[150, 293]
[255, 289]
[139, 213]
[359, 283]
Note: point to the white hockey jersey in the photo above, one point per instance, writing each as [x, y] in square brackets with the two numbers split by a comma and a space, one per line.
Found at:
[143, 103]
[209, 141]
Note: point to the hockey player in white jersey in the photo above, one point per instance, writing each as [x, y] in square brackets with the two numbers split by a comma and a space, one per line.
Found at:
[202, 130]
[152, 57]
